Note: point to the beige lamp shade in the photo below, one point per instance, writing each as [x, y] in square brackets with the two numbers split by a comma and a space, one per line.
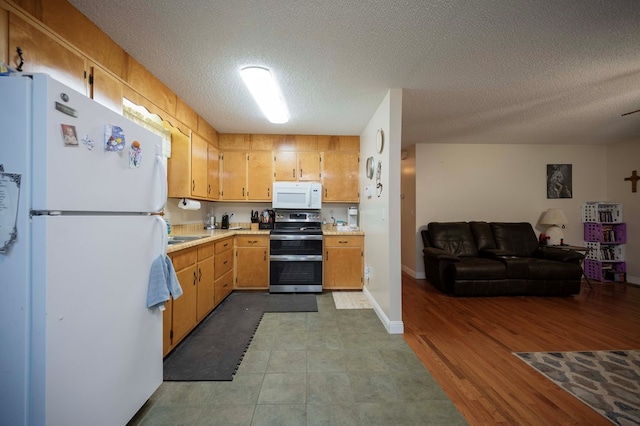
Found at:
[554, 217]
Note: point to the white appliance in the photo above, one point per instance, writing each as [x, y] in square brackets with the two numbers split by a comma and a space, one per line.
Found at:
[79, 345]
[352, 217]
[297, 195]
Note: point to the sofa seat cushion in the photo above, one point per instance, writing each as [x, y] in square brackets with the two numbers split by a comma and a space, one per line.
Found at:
[540, 269]
[475, 268]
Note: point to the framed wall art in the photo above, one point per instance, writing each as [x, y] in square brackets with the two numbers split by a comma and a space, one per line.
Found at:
[559, 181]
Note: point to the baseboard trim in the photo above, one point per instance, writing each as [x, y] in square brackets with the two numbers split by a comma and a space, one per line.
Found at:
[633, 280]
[392, 327]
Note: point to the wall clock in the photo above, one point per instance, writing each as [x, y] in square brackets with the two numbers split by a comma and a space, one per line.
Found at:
[380, 141]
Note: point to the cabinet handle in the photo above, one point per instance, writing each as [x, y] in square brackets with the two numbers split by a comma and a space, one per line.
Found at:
[200, 272]
[343, 242]
[325, 192]
[209, 189]
[226, 261]
[195, 278]
[243, 191]
[293, 172]
[226, 244]
[300, 173]
[193, 185]
[265, 255]
[268, 192]
[326, 257]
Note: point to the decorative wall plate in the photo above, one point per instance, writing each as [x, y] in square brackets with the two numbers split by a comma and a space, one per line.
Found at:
[380, 141]
[370, 169]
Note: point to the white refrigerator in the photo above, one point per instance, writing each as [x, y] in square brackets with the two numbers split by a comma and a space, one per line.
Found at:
[78, 182]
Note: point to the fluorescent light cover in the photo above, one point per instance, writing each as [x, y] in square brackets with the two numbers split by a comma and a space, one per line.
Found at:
[266, 93]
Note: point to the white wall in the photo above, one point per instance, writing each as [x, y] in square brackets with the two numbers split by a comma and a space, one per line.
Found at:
[408, 210]
[503, 183]
[380, 215]
[622, 159]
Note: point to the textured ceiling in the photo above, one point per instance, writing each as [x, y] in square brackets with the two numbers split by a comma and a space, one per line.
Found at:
[491, 71]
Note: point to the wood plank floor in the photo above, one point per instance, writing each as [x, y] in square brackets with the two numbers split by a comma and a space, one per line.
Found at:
[467, 345]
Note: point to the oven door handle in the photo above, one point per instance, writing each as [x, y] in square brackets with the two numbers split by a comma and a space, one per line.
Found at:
[295, 258]
[295, 237]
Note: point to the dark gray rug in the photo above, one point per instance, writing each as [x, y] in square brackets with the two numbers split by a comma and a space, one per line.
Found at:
[214, 350]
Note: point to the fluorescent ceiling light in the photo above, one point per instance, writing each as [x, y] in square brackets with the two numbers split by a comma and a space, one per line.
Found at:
[266, 93]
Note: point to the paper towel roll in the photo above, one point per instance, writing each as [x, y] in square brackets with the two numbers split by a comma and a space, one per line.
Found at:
[187, 204]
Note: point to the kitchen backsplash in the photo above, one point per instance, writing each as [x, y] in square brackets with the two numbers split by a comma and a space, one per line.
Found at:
[241, 212]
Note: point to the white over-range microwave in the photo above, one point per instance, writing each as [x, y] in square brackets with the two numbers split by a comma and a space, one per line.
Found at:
[297, 195]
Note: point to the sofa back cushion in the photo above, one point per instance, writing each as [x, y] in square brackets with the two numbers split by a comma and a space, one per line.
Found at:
[483, 235]
[454, 237]
[515, 237]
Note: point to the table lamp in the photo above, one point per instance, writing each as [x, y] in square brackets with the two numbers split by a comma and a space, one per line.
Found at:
[556, 220]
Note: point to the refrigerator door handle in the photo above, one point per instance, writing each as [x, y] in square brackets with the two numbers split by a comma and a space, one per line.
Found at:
[163, 179]
[163, 234]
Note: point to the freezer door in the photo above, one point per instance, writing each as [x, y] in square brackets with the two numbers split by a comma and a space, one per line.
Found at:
[90, 172]
[96, 347]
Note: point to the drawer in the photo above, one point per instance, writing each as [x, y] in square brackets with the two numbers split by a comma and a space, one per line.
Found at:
[252, 241]
[223, 245]
[204, 251]
[223, 287]
[184, 258]
[343, 241]
[223, 263]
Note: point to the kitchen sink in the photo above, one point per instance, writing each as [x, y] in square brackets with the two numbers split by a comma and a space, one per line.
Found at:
[178, 239]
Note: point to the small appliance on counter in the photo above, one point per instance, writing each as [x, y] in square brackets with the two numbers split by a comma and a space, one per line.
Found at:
[352, 217]
[225, 221]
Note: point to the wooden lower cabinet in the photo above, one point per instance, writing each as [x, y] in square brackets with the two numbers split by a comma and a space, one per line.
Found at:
[252, 262]
[223, 269]
[205, 299]
[343, 262]
[183, 313]
[166, 327]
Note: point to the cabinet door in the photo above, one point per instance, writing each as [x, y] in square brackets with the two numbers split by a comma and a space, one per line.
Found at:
[42, 53]
[223, 286]
[184, 307]
[252, 261]
[234, 176]
[166, 326]
[213, 170]
[205, 301]
[285, 166]
[199, 162]
[259, 175]
[343, 262]
[309, 166]
[105, 88]
[340, 176]
[179, 165]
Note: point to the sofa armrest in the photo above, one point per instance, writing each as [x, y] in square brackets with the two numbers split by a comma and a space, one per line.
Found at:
[495, 253]
[440, 255]
[560, 255]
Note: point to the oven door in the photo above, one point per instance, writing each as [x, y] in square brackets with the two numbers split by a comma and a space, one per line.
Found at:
[295, 244]
[295, 274]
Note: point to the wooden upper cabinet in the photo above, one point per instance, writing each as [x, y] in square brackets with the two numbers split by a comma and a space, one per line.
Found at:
[297, 166]
[338, 143]
[233, 176]
[340, 181]
[43, 53]
[213, 169]
[186, 115]
[199, 164]
[259, 175]
[285, 165]
[105, 88]
[234, 142]
[179, 164]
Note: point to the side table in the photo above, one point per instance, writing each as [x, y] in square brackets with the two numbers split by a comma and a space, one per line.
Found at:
[586, 251]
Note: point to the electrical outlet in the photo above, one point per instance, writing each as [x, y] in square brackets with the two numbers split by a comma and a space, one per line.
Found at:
[366, 272]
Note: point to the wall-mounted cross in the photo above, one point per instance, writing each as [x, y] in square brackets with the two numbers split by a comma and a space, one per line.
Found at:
[634, 178]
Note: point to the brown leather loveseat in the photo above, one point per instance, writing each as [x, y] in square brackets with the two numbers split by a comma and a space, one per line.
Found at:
[497, 259]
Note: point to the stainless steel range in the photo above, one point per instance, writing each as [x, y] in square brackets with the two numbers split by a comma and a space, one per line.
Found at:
[296, 252]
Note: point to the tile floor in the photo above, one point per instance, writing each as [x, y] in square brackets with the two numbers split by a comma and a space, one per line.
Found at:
[331, 367]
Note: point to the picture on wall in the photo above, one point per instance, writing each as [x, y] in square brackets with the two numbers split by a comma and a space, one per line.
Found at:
[559, 183]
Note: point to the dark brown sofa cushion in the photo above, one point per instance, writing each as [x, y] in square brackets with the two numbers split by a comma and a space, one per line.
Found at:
[453, 237]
